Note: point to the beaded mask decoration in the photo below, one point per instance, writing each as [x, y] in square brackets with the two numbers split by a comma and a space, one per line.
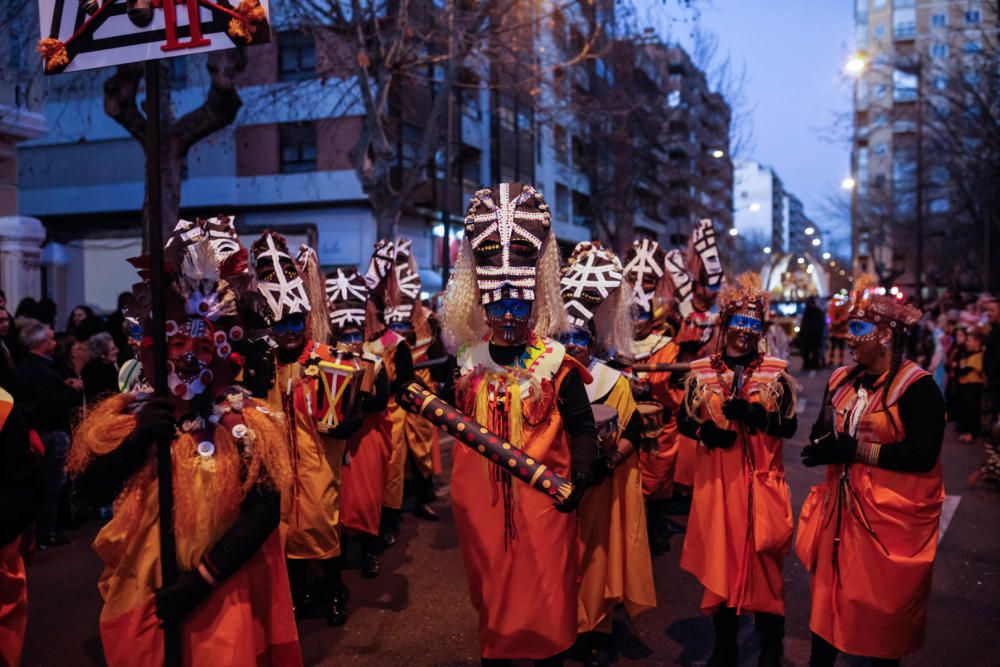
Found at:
[382, 261]
[278, 277]
[872, 306]
[703, 242]
[346, 296]
[506, 228]
[744, 304]
[644, 267]
[593, 274]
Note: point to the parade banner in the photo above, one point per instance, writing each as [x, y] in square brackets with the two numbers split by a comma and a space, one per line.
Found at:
[84, 34]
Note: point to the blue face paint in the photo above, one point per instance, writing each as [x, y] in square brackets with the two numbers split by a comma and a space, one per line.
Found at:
[519, 309]
[401, 327]
[860, 328]
[351, 337]
[290, 325]
[577, 337]
[641, 314]
[746, 323]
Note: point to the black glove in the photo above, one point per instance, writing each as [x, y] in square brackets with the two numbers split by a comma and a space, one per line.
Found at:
[820, 433]
[175, 602]
[842, 450]
[581, 482]
[741, 410]
[155, 422]
[346, 428]
[713, 436]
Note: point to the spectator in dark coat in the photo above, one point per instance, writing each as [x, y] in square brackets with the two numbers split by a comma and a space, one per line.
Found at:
[991, 360]
[49, 403]
[811, 334]
[100, 374]
[117, 327]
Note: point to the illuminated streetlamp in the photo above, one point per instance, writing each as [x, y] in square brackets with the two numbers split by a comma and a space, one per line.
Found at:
[809, 231]
[816, 242]
[754, 207]
[717, 153]
[848, 183]
[826, 255]
[855, 65]
[767, 250]
[733, 231]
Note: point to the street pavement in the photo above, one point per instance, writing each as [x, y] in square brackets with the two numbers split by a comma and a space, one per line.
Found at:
[418, 612]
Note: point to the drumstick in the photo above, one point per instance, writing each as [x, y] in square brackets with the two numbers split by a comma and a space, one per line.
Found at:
[418, 400]
[662, 368]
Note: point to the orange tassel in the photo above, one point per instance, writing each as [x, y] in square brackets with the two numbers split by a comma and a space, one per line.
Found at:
[53, 52]
[251, 13]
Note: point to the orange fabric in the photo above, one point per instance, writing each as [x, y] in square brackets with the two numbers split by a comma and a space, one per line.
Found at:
[526, 597]
[687, 450]
[363, 479]
[615, 546]
[741, 522]
[658, 465]
[874, 601]
[247, 620]
[13, 603]
[311, 507]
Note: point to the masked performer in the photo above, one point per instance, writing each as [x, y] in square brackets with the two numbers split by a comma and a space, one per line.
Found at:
[230, 461]
[421, 454]
[312, 504]
[520, 552]
[616, 558]
[696, 277]
[837, 314]
[369, 445]
[740, 405]
[869, 534]
[652, 344]
[382, 278]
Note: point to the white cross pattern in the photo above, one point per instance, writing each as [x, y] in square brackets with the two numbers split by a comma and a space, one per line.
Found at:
[382, 260]
[643, 262]
[348, 289]
[504, 221]
[677, 270]
[284, 297]
[705, 246]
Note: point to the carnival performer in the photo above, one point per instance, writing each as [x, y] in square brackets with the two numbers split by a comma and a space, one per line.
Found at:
[836, 314]
[869, 534]
[696, 277]
[421, 457]
[502, 303]
[20, 490]
[382, 278]
[653, 344]
[312, 501]
[369, 442]
[617, 568]
[740, 405]
[230, 461]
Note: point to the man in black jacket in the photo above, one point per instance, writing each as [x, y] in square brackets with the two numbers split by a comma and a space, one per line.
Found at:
[48, 403]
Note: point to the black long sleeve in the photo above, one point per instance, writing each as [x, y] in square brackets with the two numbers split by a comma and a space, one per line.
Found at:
[633, 430]
[403, 361]
[378, 401]
[578, 421]
[20, 478]
[921, 409]
[778, 424]
[106, 475]
[259, 515]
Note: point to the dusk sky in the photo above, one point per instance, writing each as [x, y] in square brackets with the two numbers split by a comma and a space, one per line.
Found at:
[793, 51]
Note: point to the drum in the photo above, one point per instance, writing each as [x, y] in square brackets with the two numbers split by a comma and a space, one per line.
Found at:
[651, 413]
[606, 419]
[339, 383]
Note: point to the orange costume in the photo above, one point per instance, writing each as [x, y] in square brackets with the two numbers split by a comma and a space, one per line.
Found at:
[247, 618]
[741, 519]
[520, 553]
[659, 464]
[869, 535]
[617, 568]
[419, 437]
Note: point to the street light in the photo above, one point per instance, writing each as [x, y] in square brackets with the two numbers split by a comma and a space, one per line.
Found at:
[767, 250]
[816, 242]
[826, 255]
[733, 231]
[809, 231]
[754, 207]
[717, 153]
[848, 183]
[855, 65]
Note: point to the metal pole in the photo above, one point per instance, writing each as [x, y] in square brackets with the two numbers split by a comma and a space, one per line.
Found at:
[164, 463]
[446, 190]
[920, 184]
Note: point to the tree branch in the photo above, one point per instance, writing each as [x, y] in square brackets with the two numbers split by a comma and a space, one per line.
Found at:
[221, 104]
[120, 93]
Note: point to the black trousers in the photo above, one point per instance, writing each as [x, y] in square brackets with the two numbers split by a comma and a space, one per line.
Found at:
[825, 654]
[968, 407]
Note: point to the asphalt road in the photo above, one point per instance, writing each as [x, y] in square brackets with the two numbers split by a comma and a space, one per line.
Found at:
[418, 612]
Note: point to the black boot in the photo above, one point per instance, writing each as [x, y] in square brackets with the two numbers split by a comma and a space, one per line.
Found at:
[771, 630]
[727, 626]
[495, 662]
[298, 581]
[599, 654]
[388, 528]
[370, 565]
[336, 608]
[822, 654]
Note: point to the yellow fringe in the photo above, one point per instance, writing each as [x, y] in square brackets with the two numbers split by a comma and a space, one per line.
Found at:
[516, 416]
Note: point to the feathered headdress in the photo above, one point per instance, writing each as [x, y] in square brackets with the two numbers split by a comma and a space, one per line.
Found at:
[871, 304]
[744, 303]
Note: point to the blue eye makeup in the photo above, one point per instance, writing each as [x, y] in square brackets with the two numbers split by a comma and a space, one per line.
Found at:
[746, 323]
[518, 309]
[860, 328]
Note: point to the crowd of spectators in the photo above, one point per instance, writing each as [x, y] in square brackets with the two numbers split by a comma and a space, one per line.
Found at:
[53, 373]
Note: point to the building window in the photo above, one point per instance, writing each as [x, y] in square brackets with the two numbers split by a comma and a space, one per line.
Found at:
[973, 16]
[297, 145]
[904, 3]
[16, 46]
[524, 121]
[579, 152]
[296, 56]
[880, 149]
[940, 205]
[939, 20]
[879, 31]
[561, 141]
[880, 90]
[939, 50]
[879, 180]
[940, 82]
[904, 23]
[562, 203]
[505, 114]
[939, 174]
[972, 47]
[861, 36]
[674, 99]
[904, 86]
[878, 4]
